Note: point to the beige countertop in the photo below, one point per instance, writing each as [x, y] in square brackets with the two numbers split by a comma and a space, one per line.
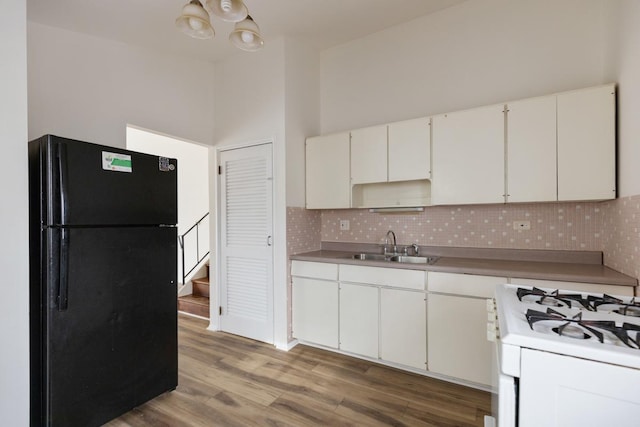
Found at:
[586, 272]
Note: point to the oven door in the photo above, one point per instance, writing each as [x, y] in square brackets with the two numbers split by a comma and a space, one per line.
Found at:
[576, 392]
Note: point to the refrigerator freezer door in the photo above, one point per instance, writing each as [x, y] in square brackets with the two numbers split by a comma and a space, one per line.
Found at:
[89, 184]
[114, 345]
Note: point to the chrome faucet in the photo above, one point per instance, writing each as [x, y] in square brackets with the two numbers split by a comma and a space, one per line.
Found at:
[416, 249]
[386, 239]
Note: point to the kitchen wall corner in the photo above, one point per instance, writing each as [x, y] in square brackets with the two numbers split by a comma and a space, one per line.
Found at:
[303, 235]
[621, 235]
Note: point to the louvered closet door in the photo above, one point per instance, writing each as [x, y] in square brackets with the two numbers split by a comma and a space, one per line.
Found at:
[246, 288]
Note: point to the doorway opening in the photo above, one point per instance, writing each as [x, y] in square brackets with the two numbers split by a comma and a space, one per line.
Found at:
[193, 213]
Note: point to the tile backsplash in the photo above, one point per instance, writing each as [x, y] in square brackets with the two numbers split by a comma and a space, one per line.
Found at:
[561, 226]
[621, 234]
[303, 230]
[303, 235]
[612, 227]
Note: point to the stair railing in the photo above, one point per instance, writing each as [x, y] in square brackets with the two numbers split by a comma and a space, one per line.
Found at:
[198, 258]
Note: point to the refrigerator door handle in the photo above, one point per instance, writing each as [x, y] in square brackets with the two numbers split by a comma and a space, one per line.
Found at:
[62, 182]
[63, 268]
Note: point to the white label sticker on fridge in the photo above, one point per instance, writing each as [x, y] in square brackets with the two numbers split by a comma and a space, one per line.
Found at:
[116, 162]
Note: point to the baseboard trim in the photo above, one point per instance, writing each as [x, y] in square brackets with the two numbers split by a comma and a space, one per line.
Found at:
[193, 315]
[288, 346]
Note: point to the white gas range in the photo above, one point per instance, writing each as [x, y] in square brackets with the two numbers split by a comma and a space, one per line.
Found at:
[566, 358]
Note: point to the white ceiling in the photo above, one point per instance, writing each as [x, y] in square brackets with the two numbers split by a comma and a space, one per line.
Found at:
[150, 23]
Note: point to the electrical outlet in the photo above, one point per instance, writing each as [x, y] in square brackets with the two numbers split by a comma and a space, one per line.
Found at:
[522, 225]
[344, 224]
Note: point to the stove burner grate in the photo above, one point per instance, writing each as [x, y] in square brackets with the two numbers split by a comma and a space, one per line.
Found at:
[629, 310]
[568, 330]
[570, 327]
[632, 308]
[554, 298]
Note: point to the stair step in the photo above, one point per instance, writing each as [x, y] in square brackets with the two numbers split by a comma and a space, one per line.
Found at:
[194, 304]
[201, 286]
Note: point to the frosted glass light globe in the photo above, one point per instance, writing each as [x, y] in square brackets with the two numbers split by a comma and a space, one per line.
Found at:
[195, 24]
[247, 36]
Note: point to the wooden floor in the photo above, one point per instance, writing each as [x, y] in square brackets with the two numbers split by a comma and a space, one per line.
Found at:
[227, 380]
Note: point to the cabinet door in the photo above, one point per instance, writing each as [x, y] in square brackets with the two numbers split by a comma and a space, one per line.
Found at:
[457, 325]
[410, 150]
[403, 327]
[315, 311]
[468, 157]
[327, 172]
[457, 331]
[531, 150]
[359, 319]
[369, 155]
[586, 144]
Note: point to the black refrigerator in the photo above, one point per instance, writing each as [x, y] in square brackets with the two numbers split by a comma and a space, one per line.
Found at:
[103, 271]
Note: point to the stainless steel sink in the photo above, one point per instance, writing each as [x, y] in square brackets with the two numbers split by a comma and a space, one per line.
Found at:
[372, 257]
[429, 260]
[403, 259]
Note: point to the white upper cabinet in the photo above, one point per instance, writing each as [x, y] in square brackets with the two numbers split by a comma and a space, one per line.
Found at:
[390, 165]
[559, 147]
[468, 157]
[369, 155]
[586, 144]
[531, 150]
[410, 150]
[327, 172]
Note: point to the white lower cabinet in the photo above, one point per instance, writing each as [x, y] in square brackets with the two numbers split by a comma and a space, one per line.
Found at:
[383, 314]
[457, 325]
[315, 302]
[386, 314]
[359, 319]
[403, 327]
[378, 313]
[315, 311]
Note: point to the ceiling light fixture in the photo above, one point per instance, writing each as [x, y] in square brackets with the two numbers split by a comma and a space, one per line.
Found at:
[228, 10]
[194, 21]
[246, 35]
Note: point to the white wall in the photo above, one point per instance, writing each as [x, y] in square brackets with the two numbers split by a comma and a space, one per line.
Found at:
[88, 88]
[249, 90]
[302, 113]
[250, 94]
[475, 53]
[627, 62]
[14, 252]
